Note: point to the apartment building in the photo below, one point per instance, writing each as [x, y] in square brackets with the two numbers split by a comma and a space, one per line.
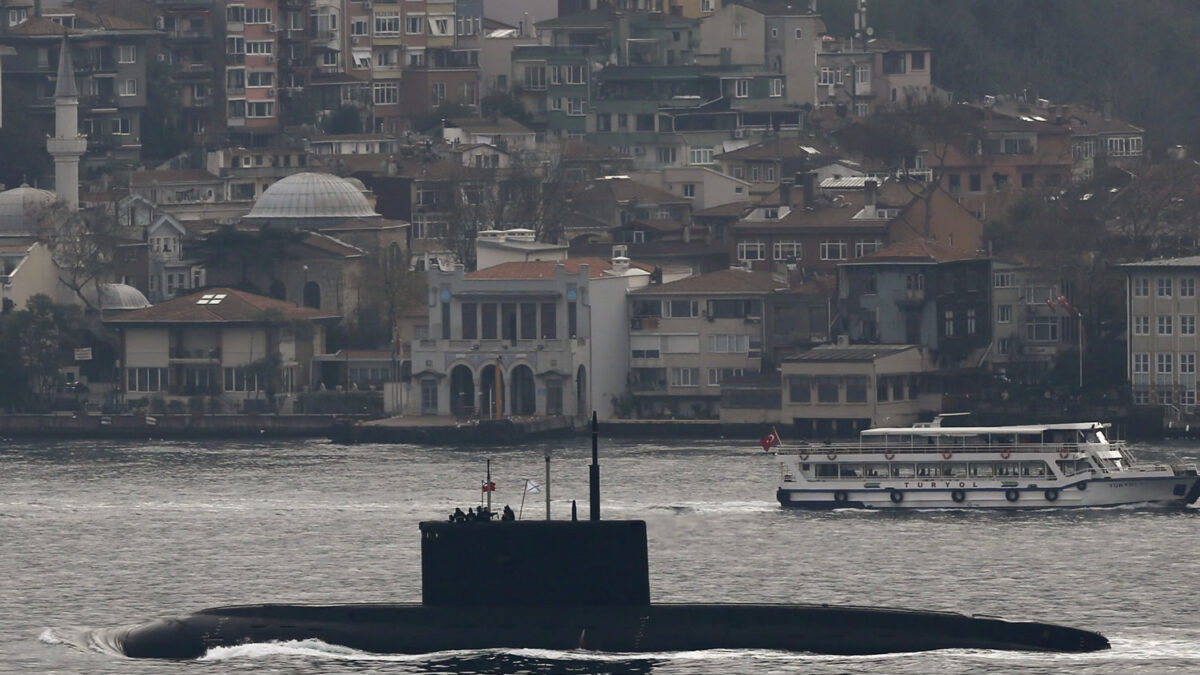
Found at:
[1161, 305]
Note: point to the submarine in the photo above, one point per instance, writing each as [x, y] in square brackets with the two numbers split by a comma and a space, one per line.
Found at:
[578, 584]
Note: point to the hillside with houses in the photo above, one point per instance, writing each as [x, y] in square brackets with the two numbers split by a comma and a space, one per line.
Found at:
[745, 212]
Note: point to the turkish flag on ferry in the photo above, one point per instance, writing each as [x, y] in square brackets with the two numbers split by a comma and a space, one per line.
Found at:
[770, 440]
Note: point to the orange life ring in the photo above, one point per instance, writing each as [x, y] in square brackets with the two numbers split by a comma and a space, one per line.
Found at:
[1063, 452]
[947, 453]
[1005, 453]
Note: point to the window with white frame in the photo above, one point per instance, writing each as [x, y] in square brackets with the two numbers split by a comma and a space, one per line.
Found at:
[1187, 363]
[416, 57]
[1165, 363]
[1187, 324]
[741, 88]
[260, 108]
[1165, 286]
[867, 247]
[1042, 329]
[1124, 146]
[689, 189]
[685, 377]
[1141, 363]
[127, 54]
[971, 327]
[728, 344]
[776, 87]
[120, 126]
[127, 87]
[260, 47]
[716, 375]
[387, 58]
[1141, 396]
[439, 93]
[1141, 325]
[384, 93]
[360, 26]
[387, 24]
[1003, 313]
[575, 106]
[1187, 287]
[576, 74]
[788, 250]
[1188, 397]
[862, 74]
[706, 5]
[828, 75]
[145, 379]
[258, 15]
[240, 378]
[535, 77]
[948, 331]
[260, 78]
[739, 30]
[1141, 287]
[751, 250]
[833, 249]
[702, 154]
[1165, 324]
[414, 25]
[1002, 280]
[439, 25]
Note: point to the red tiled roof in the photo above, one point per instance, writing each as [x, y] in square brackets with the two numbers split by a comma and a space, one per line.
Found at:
[236, 307]
[919, 250]
[728, 281]
[544, 269]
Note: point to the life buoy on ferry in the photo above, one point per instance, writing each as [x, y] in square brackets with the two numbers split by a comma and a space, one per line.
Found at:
[1012, 495]
[803, 456]
[889, 454]
[831, 455]
[897, 496]
[947, 453]
[959, 496]
[1082, 486]
[1005, 453]
[1063, 452]
[841, 497]
[1052, 495]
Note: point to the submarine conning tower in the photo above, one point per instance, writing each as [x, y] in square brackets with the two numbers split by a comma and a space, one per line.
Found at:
[537, 562]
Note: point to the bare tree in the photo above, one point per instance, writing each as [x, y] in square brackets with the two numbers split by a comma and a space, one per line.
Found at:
[531, 193]
[83, 245]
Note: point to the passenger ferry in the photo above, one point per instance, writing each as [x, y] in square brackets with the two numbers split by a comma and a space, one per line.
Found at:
[1005, 467]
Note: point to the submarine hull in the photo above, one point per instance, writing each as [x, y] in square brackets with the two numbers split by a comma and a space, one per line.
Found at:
[415, 629]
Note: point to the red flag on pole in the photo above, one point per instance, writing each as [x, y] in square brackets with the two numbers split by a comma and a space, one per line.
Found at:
[1050, 304]
[1070, 309]
[770, 440]
[487, 486]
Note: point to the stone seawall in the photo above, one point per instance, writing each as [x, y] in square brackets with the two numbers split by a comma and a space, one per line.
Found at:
[167, 426]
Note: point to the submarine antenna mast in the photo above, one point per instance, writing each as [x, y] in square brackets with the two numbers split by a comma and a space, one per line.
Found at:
[594, 470]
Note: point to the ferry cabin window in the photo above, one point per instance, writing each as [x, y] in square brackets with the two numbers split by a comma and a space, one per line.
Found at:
[1070, 467]
[903, 471]
[928, 470]
[827, 470]
[1008, 468]
[955, 469]
[982, 469]
[851, 470]
[877, 470]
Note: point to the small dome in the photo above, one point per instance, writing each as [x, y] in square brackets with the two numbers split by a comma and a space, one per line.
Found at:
[312, 195]
[121, 296]
[19, 207]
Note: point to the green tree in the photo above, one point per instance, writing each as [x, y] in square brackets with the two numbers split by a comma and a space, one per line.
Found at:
[22, 141]
[45, 332]
[163, 135]
[344, 120]
[228, 246]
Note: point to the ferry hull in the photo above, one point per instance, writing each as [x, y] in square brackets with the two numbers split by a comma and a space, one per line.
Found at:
[417, 629]
[1174, 491]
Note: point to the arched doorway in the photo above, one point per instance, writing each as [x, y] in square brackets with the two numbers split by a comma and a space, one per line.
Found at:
[523, 400]
[581, 398]
[462, 391]
[312, 295]
[491, 391]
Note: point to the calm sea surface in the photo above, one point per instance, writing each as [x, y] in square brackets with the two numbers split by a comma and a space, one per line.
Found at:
[100, 534]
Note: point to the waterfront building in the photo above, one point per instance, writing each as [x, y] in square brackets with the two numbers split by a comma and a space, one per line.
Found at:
[1160, 297]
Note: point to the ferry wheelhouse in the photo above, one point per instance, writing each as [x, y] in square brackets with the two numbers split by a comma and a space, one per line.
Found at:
[1003, 467]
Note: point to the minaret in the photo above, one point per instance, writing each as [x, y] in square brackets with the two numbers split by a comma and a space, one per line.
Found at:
[67, 145]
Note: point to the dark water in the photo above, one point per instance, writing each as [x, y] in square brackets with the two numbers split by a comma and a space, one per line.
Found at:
[104, 534]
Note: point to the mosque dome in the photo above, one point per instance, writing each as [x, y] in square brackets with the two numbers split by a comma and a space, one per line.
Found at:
[121, 297]
[19, 207]
[312, 195]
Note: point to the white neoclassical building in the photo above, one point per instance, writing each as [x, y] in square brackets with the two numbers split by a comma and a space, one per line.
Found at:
[525, 338]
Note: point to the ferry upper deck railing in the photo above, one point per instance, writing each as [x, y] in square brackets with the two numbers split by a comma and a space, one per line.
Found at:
[945, 450]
